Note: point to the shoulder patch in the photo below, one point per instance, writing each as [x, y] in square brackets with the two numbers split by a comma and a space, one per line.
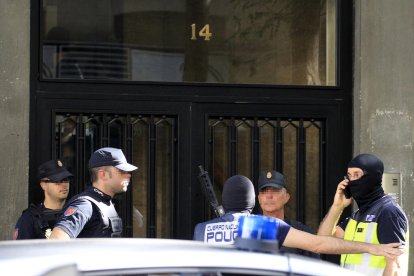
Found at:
[70, 210]
[15, 233]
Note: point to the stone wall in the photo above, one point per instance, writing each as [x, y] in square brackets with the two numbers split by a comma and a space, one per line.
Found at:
[384, 85]
[14, 111]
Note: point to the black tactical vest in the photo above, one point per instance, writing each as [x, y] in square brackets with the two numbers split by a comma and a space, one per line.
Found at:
[44, 220]
[112, 222]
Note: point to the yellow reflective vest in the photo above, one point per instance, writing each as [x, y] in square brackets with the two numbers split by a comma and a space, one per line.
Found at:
[367, 263]
[363, 228]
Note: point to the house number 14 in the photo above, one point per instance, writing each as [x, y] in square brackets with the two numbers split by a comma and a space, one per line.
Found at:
[204, 32]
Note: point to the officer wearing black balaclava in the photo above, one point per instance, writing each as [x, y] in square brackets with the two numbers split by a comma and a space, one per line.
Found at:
[366, 189]
[238, 199]
[379, 219]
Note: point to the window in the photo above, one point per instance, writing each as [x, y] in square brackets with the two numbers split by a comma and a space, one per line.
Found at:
[219, 41]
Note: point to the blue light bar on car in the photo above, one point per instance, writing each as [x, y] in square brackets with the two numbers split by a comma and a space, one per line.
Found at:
[257, 233]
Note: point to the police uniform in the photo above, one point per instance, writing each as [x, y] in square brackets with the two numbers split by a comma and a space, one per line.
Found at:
[382, 222]
[219, 230]
[223, 230]
[91, 214]
[379, 220]
[238, 198]
[36, 222]
[277, 181]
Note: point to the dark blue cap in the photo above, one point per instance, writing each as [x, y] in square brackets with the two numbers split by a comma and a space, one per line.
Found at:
[53, 170]
[110, 157]
[271, 179]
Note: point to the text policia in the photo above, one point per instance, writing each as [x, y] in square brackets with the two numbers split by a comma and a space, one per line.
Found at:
[221, 232]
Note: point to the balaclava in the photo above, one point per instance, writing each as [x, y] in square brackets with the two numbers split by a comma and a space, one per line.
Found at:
[238, 194]
[368, 188]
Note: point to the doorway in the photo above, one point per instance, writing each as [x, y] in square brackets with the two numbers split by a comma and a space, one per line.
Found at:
[165, 199]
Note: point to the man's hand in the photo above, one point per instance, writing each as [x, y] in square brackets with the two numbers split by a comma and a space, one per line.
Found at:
[328, 225]
[389, 250]
[340, 201]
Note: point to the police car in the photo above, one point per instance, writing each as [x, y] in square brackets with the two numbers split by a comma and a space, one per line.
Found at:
[128, 256]
[253, 253]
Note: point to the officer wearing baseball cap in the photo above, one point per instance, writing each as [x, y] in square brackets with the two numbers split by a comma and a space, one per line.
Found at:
[271, 179]
[91, 214]
[37, 221]
[273, 196]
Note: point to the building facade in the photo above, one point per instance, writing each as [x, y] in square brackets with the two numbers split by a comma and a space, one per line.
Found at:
[217, 86]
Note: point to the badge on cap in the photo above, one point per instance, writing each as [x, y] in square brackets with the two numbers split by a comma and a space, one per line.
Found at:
[59, 163]
[269, 175]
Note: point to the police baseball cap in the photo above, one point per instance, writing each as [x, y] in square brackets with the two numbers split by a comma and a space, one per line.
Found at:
[53, 170]
[271, 179]
[110, 157]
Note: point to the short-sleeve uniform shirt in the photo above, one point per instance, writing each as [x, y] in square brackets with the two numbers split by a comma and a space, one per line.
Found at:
[223, 230]
[82, 218]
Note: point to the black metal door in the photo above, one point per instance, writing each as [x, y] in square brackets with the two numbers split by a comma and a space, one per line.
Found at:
[167, 141]
[305, 142]
[153, 135]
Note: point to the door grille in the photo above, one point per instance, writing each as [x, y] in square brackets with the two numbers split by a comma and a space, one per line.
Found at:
[148, 141]
[292, 146]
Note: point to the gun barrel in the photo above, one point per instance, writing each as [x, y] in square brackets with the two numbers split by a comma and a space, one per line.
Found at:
[208, 190]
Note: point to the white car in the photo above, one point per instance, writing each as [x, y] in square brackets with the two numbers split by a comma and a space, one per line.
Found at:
[132, 256]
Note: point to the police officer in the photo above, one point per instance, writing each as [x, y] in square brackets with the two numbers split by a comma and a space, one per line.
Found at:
[273, 195]
[378, 220]
[37, 221]
[92, 213]
[238, 199]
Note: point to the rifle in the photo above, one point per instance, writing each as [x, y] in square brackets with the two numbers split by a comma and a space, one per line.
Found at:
[209, 192]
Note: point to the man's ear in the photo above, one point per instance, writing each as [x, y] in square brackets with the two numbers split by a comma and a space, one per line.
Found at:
[287, 197]
[103, 174]
[43, 185]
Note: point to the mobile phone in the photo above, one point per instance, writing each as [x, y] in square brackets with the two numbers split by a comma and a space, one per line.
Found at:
[347, 191]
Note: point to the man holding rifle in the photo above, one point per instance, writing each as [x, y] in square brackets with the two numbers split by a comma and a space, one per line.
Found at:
[238, 200]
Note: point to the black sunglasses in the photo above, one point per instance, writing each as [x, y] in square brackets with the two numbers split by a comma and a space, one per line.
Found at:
[65, 180]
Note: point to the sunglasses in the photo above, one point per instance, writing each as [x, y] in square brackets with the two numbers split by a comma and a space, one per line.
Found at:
[65, 180]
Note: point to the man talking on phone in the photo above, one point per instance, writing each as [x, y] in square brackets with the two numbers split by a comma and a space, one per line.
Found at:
[378, 220]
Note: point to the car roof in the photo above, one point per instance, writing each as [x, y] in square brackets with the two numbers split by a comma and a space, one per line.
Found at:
[35, 257]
